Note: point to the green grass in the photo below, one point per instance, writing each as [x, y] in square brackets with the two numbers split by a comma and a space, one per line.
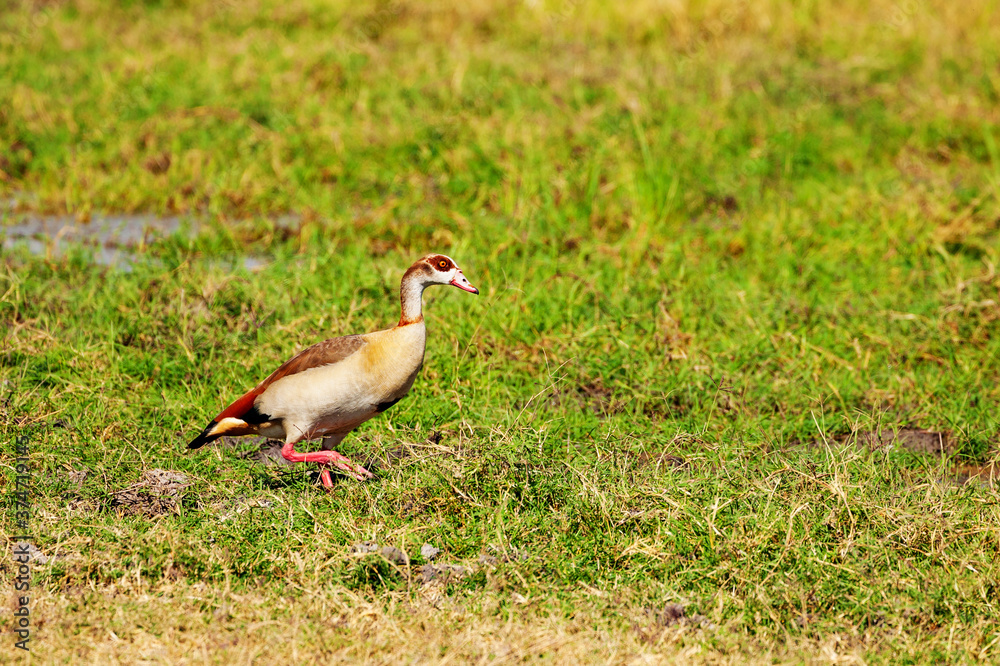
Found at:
[729, 237]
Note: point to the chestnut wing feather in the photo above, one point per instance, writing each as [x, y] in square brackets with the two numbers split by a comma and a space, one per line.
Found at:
[327, 352]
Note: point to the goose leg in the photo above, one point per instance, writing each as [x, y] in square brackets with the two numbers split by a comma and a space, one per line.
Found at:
[338, 460]
[330, 443]
[324, 476]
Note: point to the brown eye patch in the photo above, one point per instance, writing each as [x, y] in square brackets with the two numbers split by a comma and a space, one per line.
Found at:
[441, 262]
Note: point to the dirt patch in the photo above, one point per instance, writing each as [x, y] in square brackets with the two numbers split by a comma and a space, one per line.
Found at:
[922, 442]
[984, 474]
[268, 453]
[429, 552]
[438, 573]
[391, 553]
[77, 476]
[380, 462]
[159, 491]
[395, 555]
[592, 395]
[670, 616]
[364, 547]
[661, 460]
[495, 555]
[915, 440]
[442, 573]
[34, 554]
[157, 164]
[81, 505]
[230, 509]
[720, 205]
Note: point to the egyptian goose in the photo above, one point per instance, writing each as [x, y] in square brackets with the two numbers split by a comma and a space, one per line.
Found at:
[332, 387]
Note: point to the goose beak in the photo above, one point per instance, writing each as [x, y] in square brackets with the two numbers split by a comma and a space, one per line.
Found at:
[462, 283]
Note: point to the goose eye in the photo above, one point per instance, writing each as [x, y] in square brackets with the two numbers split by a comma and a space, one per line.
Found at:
[443, 264]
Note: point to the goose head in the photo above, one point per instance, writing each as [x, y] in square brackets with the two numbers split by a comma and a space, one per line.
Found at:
[440, 269]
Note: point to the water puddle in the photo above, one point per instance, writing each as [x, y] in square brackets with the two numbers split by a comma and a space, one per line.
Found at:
[987, 474]
[112, 240]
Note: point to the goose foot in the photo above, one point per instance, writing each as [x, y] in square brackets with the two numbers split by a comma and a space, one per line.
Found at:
[353, 470]
[338, 460]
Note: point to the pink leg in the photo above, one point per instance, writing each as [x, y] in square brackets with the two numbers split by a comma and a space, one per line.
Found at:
[338, 460]
[324, 475]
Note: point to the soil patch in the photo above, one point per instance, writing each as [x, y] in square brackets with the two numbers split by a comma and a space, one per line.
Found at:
[915, 440]
[267, 453]
[668, 617]
[593, 396]
[922, 442]
[159, 491]
[661, 460]
[442, 573]
[985, 474]
[380, 462]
